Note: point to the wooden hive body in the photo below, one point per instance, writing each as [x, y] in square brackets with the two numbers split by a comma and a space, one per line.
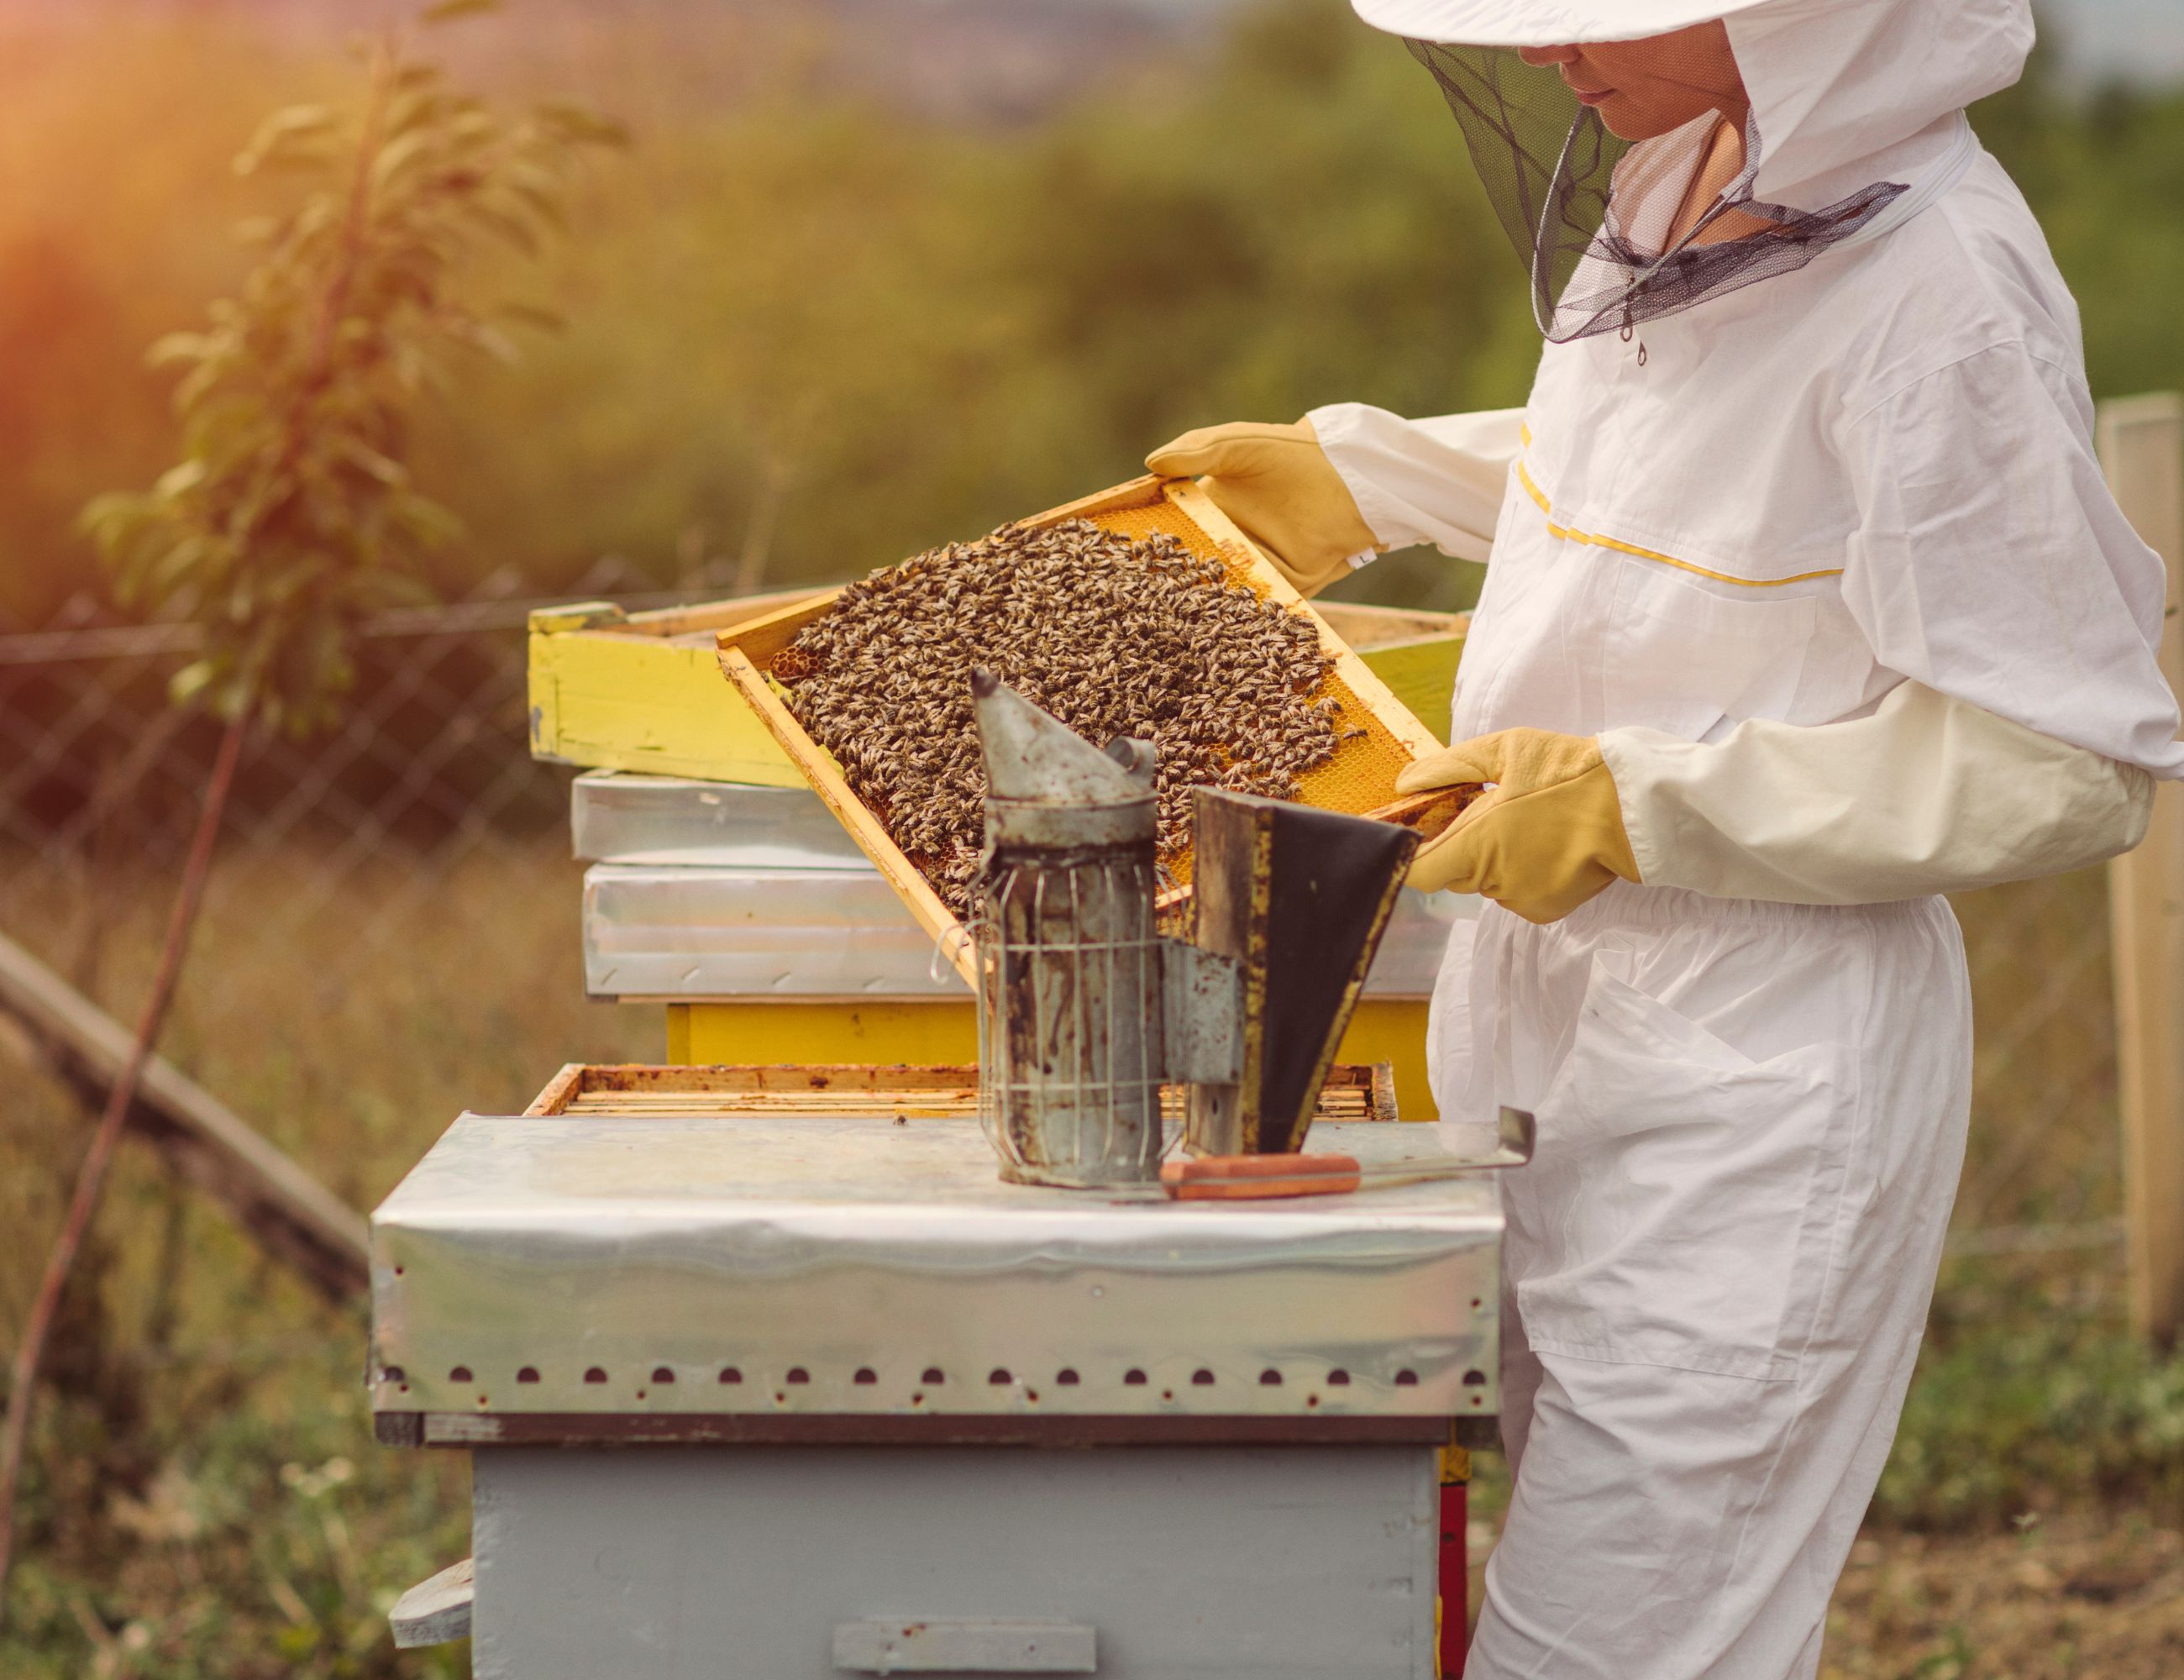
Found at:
[1349, 1092]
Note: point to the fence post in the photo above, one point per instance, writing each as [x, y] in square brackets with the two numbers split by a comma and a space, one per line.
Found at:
[2142, 450]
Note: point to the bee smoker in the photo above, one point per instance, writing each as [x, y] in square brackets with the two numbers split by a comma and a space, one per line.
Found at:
[1070, 1044]
[1086, 1012]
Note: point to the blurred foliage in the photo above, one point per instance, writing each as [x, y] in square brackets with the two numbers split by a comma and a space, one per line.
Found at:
[207, 1501]
[2031, 1397]
[812, 334]
[920, 331]
[269, 1548]
[2105, 173]
[293, 514]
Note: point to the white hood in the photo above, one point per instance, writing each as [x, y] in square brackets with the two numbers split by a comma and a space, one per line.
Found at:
[1844, 93]
[1539, 23]
[1848, 92]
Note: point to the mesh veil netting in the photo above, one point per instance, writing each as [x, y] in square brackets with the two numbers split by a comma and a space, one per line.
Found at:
[1592, 214]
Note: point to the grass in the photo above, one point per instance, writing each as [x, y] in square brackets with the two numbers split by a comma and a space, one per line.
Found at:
[262, 1533]
[2032, 1399]
[207, 1498]
[2092, 1595]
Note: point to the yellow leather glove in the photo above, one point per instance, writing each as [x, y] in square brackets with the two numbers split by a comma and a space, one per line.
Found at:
[1283, 493]
[1545, 838]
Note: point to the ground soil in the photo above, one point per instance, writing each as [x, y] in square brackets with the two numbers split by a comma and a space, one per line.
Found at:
[2092, 1597]
[2079, 1597]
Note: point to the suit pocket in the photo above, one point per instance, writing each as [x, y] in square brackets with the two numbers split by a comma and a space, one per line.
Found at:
[1686, 1196]
[1693, 660]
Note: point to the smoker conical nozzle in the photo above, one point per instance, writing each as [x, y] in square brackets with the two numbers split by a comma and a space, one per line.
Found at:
[1034, 757]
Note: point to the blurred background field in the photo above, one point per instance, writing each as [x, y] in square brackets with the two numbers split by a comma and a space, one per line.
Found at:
[876, 273]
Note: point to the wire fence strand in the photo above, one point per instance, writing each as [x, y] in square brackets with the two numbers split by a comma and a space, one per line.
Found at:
[430, 766]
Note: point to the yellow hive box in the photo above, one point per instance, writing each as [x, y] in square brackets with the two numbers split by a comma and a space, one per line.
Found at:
[948, 1091]
[887, 1031]
[610, 690]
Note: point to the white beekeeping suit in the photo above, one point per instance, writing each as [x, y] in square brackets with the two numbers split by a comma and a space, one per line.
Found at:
[1802, 560]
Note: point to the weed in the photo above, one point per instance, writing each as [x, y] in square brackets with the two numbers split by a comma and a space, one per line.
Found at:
[207, 1501]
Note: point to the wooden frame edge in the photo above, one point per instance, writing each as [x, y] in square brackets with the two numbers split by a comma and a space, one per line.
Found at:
[826, 780]
[1401, 722]
[559, 1092]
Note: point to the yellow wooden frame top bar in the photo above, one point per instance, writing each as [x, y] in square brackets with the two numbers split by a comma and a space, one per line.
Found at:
[642, 692]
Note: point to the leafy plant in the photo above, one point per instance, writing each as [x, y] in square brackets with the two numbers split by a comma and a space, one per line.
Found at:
[2025, 1400]
[292, 516]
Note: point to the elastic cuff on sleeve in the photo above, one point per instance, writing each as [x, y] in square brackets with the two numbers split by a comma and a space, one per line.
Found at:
[1637, 759]
[1338, 427]
[1413, 484]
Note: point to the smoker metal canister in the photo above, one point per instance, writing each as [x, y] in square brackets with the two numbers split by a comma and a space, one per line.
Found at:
[1069, 964]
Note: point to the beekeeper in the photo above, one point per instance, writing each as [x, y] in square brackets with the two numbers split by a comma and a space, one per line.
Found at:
[1807, 603]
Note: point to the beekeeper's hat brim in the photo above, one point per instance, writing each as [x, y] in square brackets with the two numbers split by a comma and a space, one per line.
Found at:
[1540, 23]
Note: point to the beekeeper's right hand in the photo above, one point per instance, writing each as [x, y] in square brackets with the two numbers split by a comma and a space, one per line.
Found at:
[1277, 484]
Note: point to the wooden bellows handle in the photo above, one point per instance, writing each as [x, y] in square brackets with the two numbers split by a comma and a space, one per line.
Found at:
[1254, 1178]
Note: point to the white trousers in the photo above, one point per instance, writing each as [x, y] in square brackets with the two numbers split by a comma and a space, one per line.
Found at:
[1717, 1266]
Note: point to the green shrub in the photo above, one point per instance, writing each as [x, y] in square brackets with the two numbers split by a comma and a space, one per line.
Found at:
[2031, 1399]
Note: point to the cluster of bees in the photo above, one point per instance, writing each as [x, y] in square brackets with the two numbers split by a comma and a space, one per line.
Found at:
[1112, 637]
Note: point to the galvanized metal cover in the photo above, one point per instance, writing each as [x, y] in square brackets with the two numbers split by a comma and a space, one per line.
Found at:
[717, 890]
[868, 1265]
[616, 816]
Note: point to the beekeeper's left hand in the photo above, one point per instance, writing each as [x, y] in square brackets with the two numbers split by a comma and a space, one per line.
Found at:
[1283, 493]
[1545, 838]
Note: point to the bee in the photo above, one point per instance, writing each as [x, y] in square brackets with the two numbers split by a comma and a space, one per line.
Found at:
[1112, 636]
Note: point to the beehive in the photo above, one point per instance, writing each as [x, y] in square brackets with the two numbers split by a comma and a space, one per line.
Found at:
[1360, 777]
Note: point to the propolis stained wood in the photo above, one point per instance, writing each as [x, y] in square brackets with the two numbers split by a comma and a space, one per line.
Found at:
[1350, 1093]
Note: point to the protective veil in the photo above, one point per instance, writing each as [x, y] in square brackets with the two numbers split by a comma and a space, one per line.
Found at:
[1774, 502]
[1592, 214]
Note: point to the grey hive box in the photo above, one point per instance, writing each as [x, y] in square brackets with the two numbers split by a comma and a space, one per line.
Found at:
[700, 890]
[781, 1398]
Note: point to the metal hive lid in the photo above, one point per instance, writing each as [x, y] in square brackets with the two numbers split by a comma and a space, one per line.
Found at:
[560, 1264]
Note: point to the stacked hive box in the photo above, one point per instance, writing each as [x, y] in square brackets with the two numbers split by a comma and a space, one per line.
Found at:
[866, 1479]
[722, 888]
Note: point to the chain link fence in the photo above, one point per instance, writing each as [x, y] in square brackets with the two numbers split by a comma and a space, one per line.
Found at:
[390, 931]
[100, 780]
[359, 860]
